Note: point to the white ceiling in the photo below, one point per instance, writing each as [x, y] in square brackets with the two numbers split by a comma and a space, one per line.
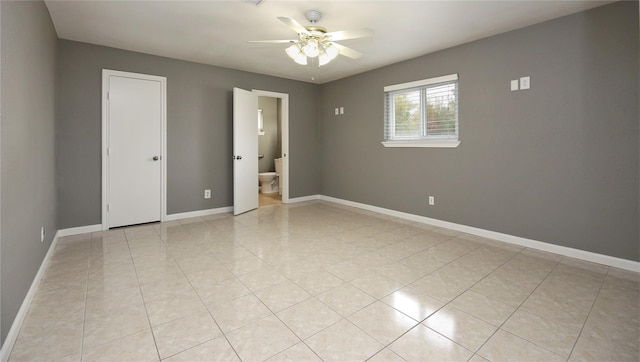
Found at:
[216, 32]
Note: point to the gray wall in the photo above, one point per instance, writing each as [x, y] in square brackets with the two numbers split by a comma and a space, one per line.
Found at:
[27, 161]
[557, 163]
[199, 129]
[268, 142]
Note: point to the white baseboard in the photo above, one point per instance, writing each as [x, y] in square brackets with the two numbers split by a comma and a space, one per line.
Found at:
[529, 243]
[304, 198]
[12, 336]
[79, 230]
[186, 215]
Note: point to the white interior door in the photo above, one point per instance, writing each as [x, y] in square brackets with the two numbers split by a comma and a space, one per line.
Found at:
[245, 151]
[135, 111]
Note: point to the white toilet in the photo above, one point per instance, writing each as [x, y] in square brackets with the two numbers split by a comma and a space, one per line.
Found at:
[267, 181]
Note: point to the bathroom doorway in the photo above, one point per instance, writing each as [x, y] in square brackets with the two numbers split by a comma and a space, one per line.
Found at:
[272, 148]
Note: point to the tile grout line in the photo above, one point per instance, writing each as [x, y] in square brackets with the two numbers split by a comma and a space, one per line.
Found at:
[518, 308]
[203, 303]
[135, 270]
[589, 314]
[86, 297]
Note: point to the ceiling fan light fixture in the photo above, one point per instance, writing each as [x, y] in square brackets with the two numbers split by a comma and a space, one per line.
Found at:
[331, 51]
[311, 49]
[323, 59]
[295, 52]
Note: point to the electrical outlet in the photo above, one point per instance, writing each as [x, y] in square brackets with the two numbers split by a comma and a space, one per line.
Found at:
[207, 194]
[525, 82]
[42, 234]
[432, 200]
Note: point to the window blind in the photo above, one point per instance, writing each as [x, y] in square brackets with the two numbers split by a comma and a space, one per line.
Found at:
[422, 110]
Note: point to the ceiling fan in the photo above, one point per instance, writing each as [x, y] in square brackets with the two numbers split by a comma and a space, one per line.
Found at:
[314, 41]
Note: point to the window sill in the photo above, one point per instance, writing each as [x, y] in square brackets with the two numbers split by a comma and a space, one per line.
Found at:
[436, 144]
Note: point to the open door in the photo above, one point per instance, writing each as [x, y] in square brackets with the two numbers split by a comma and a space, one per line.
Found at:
[245, 151]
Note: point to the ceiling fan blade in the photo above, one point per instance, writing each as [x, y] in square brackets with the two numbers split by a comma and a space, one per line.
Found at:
[273, 41]
[350, 34]
[348, 52]
[293, 24]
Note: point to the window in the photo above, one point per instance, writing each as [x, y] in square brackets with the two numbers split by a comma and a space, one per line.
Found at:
[423, 113]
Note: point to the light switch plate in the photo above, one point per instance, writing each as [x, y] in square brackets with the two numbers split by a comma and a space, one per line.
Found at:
[525, 82]
[337, 111]
[341, 110]
[514, 85]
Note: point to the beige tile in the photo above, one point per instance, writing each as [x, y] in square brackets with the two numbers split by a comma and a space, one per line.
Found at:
[244, 264]
[309, 317]
[330, 251]
[422, 344]
[386, 355]
[478, 358]
[261, 278]
[164, 271]
[136, 347]
[592, 348]
[382, 322]
[56, 294]
[544, 333]
[346, 299]
[442, 286]
[214, 350]
[462, 328]
[343, 342]
[318, 282]
[559, 311]
[262, 339]
[112, 303]
[488, 309]
[299, 352]
[214, 274]
[622, 279]
[283, 295]
[222, 292]
[56, 344]
[99, 286]
[170, 308]
[608, 324]
[239, 312]
[184, 333]
[414, 303]
[104, 329]
[346, 270]
[400, 272]
[376, 285]
[41, 320]
[504, 346]
[508, 291]
[166, 288]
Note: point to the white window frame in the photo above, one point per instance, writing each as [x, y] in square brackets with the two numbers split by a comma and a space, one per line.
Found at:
[433, 141]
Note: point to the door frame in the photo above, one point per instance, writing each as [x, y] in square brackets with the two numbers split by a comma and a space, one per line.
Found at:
[106, 73]
[283, 110]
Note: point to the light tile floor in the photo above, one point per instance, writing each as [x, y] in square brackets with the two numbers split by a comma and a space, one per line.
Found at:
[317, 281]
[269, 199]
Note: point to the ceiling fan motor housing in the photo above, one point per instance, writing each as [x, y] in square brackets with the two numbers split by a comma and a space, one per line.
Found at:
[313, 16]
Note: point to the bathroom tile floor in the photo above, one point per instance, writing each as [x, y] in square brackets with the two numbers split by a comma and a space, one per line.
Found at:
[318, 281]
[269, 199]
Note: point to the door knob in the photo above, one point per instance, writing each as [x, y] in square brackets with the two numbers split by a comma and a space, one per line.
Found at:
[156, 158]
[238, 157]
